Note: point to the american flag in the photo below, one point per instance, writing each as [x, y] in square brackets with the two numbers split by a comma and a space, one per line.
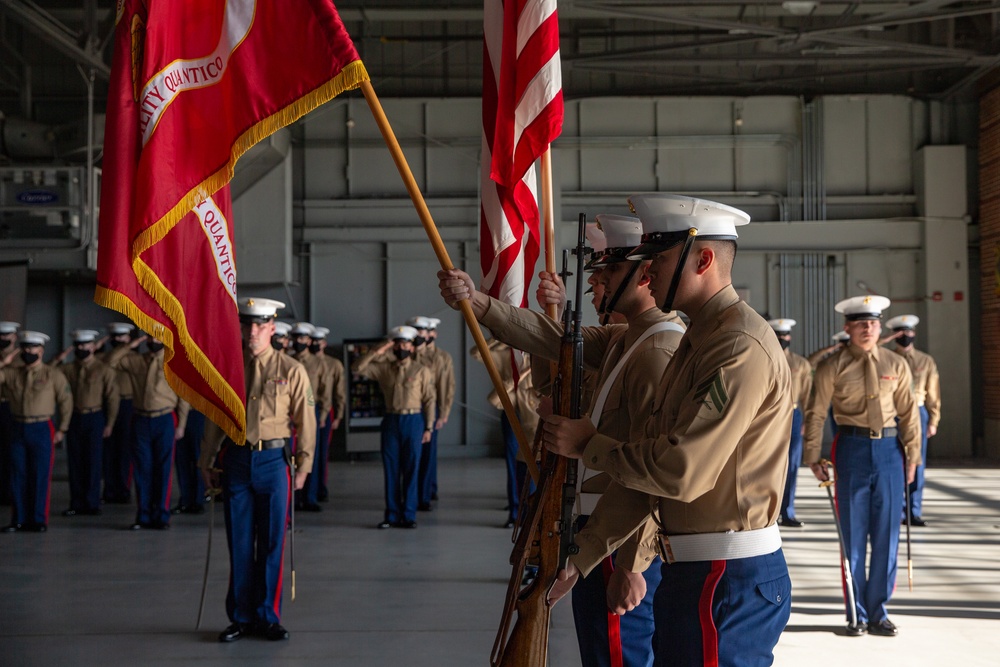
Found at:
[522, 115]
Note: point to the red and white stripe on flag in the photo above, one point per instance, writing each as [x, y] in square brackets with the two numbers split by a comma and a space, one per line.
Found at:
[522, 115]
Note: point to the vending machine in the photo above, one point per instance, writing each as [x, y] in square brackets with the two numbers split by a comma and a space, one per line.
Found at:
[365, 403]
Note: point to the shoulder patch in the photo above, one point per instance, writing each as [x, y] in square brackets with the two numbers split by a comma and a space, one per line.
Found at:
[712, 396]
[310, 399]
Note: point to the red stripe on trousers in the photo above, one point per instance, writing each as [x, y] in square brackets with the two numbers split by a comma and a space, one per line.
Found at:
[284, 534]
[709, 633]
[614, 621]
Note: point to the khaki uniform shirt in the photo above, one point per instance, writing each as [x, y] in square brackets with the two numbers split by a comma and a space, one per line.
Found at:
[17, 362]
[37, 392]
[443, 368]
[714, 451]
[821, 354]
[124, 379]
[151, 394]
[319, 377]
[522, 396]
[278, 394]
[406, 385]
[338, 384]
[841, 378]
[926, 381]
[95, 387]
[630, 399]
[801, 379]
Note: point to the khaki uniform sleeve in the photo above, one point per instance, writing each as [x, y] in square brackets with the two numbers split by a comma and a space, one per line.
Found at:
[445, 385]
[428, 397]
[638, 551]
[182, 410]
[302, 406]
[339, 383]
[933, 399]
[64, 398]
[618, 514]
[805, 388]
[908, 414]
[116, 356]
[815, 414]
[325, 391]
[211, 443]
[112, 395]
[364, 366]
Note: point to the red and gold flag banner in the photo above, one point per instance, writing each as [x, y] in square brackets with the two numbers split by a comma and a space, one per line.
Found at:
[195, 84]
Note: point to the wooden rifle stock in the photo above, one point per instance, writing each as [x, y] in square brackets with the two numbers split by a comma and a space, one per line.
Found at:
[545, 526]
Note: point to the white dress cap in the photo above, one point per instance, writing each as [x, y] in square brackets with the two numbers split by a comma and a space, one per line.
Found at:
[668, 219]
[320, 332]
[782, 325]
[85, 335]
[596, 242]
[420, 322]
[302, 329]
[255, 308]
[32, 338]
[622, 233]
[402, 333]
[903, 322]
[434, 322]
[9, 327]
[281, 329]
[841, 336]
[120, 328]
[868, 307]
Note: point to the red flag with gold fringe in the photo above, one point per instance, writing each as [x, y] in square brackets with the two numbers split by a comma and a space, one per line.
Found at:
[194, 85]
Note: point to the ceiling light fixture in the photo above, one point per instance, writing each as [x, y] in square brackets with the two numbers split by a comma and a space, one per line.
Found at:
[799, 7]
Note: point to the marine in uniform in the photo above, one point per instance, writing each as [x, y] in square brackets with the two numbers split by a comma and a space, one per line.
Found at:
[279, 341]
[159, 419]
[256, 476]
[870, 389]
[8, 344]
[333, 378]
[629, 360]
[524, 399]
[117, 460]
[801, 386]
[95, 409]
[301, 336]
[841, 339]
[36, 392]
[408, 388]
[712, 457]
[443, 368]
[927, 391]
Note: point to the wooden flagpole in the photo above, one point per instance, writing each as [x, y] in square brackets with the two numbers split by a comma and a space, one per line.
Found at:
[442, 254]
[548, 219]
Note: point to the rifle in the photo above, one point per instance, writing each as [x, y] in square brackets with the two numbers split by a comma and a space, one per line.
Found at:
[545, 536]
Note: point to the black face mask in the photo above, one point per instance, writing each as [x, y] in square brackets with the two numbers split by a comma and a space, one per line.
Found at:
[299, 347]
[401, 354]
[784, 342]
[277, 343]
[5, 343]
[314, 348]
[29, 358]
[418, 341]
[81, 353]
[906, 340]
[154, 347]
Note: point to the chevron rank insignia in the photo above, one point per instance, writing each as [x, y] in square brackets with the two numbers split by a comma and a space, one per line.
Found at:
[712, 396]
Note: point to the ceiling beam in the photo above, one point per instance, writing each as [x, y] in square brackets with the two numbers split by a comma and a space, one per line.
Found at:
[55, 34]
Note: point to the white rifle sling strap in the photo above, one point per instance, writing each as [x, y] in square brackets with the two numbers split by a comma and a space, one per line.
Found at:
[585, 502]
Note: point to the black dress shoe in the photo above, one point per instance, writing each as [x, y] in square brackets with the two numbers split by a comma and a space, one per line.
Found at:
[917, 521]
[509, 524]
[69, 513]
[273, 632]
[136, 526]
[384, 525]
[406, 524]
[424, 507]
[309, 507]
[180, 509]
[884, 628]
[434, 496]
[856, 629]
[790, 522]
[233, 632]
[12, 528]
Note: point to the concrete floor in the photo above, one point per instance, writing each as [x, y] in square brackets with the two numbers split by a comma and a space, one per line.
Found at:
[90, 593]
